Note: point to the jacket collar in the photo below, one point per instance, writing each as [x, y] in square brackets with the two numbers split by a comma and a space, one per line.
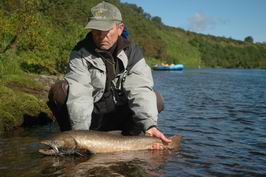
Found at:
[122, 45]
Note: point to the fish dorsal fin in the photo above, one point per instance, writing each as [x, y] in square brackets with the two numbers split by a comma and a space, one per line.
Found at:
[115, 132]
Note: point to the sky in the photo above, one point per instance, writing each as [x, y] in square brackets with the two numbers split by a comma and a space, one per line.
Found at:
[236, 19]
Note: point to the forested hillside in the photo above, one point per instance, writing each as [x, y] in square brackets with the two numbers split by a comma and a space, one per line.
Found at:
[37, 37]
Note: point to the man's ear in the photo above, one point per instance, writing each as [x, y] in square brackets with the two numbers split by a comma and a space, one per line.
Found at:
[120, 28]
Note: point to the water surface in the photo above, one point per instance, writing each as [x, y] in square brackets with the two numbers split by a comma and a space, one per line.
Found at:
[220, 113]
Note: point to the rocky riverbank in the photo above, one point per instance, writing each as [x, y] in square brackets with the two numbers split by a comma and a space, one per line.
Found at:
[23, 100]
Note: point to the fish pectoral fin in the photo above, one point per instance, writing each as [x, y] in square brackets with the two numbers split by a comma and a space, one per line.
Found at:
[79, 151]
[83, 152]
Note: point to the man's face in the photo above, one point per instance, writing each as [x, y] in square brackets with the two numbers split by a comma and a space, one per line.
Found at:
[106, 39]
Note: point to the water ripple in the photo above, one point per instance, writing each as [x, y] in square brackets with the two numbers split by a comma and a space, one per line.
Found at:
[220, 113]
[222, 116]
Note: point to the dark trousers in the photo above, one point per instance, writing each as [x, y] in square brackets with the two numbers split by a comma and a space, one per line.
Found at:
[119, 119]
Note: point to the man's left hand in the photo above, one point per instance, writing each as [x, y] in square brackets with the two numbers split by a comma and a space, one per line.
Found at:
[154, 132]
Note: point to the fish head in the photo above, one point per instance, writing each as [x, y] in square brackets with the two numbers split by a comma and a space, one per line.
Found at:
[52, 147]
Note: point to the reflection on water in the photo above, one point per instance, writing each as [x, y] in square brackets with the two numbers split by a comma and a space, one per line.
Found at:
[140, 163]
[221, 115]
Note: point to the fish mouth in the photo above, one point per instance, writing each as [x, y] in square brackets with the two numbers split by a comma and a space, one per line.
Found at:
[49, 149]
[52, 150]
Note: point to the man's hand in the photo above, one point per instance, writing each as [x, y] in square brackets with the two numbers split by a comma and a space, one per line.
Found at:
[156, 133]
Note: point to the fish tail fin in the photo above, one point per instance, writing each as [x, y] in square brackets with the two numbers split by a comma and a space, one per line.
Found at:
[175, 144]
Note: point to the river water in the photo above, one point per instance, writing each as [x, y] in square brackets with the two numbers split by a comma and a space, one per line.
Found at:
[221, 114]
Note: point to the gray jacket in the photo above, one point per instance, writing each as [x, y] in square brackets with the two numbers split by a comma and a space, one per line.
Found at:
[86, 77]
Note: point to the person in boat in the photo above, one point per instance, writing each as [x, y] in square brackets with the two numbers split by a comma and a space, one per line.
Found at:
[108, 85]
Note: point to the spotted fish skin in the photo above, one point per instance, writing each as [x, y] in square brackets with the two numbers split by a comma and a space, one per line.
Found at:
[76, 141]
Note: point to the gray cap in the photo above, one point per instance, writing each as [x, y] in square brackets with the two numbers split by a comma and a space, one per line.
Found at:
[103, 17]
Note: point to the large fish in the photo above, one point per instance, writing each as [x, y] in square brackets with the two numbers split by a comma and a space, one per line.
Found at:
[84, 141]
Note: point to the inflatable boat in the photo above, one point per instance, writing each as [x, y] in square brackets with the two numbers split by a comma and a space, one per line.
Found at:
[177, 67]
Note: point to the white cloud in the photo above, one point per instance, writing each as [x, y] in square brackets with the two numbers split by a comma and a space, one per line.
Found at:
[200, 22]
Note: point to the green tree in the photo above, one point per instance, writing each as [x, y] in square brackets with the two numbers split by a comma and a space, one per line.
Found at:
[157, 20]
[249, 39]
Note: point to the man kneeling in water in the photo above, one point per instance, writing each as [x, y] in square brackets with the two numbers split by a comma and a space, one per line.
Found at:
[108, 85]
